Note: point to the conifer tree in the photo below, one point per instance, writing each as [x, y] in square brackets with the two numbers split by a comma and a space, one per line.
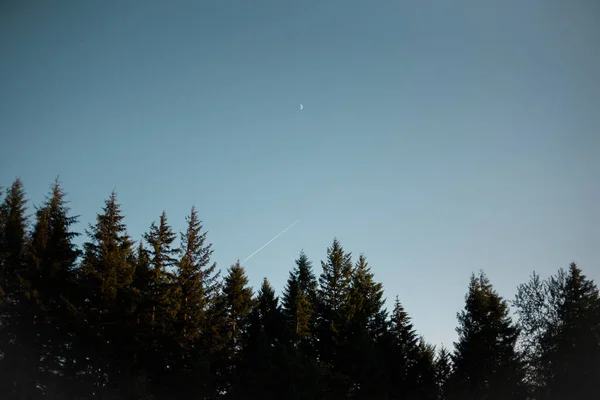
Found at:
[235, 304]
[13, 241]
[299, 302]
[197, 281]
[53, 282]
[424, 372]
[486, 362]
[107, 271]
[261, 371]
[17, 342]
[561, 324]
[142, 300]
[162, 299]
[367, 326]
[366, 298]
[401, 353]
[443, 371]
[334, 312]
[162, 260]
[575, 356]
[237, 299]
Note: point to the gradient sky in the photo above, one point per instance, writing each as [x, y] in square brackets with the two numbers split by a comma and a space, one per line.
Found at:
[438, 137]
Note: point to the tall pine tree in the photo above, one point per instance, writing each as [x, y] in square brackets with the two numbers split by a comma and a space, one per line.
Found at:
[334, 308]
[161, 299]
[401, 353]
[299, 303]
[53, 284]
[17, 339]
[560, 319]
[197, 281]
[366, 328]
[234, 307]
[486, 362]
[107, 271]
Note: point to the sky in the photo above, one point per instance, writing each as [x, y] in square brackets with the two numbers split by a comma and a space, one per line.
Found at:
[438, 138]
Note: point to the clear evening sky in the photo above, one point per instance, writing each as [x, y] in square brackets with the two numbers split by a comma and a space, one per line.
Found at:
[437, 137]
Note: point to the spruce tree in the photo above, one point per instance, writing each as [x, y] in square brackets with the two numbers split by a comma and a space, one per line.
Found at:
[299, 302]
[53, 283]
[163, 296]
[424, 372]
[486, 362]
[575, 356]
[13, 241]
[232, 322]
[262, 369]
[443, 371]
[366, 328]
[334, 311]
[560, 318]
[17, 340]
[401, 352]
[107, 271]
[162, 261]
[197, 281]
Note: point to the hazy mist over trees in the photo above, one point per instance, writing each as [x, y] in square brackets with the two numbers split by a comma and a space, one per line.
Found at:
[158, 319]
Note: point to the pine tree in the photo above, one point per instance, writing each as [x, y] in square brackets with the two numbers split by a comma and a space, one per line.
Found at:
[486, 363]
[443, 371]
[53, 283]
[334, 312]
[424, 372]
[13, 241]
[367, 326]
[299, 302]
[234, 307]
[162, 260]
[17, 341]
[162, 298]
[261, 371]
[141, 297]
[566, 335]
[401, 353]
[576, 355]
[197, 281]
[107, 271]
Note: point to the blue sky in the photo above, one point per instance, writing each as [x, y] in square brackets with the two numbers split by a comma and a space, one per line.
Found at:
[438, 138]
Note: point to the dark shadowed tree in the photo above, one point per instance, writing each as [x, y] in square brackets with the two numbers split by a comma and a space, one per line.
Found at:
[299, 303]
[234, 307]
[334, 313]
[197, 280]
[106, 273]
[163, 296]
[401, 353]
[443, 371]
[560, 321]
[17, 339]
[486, 362]
[52, 264]
[366, 328]
[262, 371]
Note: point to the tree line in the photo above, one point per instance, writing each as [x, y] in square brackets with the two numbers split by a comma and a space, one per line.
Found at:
[156, 319]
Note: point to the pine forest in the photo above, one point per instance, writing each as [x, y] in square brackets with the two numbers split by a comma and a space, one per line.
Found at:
[156, 318]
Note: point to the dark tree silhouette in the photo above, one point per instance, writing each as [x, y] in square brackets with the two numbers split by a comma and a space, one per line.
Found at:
[156, 321]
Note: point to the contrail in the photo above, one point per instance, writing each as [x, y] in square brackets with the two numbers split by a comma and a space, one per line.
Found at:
[266, 244]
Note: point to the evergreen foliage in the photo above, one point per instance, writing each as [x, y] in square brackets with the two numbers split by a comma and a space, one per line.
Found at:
[486, 361]
[155, 320]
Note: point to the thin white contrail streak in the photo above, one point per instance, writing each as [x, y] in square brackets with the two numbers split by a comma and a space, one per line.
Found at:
[266, 244]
